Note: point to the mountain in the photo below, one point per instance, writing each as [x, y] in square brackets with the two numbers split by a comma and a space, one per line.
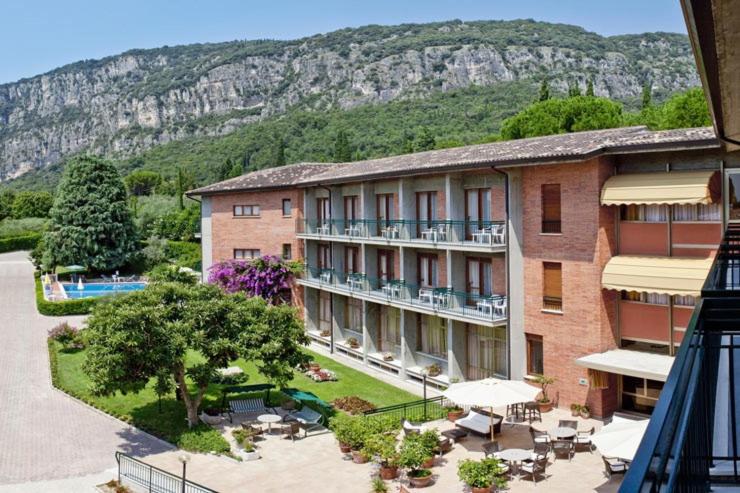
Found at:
[123, 105]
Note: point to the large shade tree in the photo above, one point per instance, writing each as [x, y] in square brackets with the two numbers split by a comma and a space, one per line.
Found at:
[90, 221]
[188, 332]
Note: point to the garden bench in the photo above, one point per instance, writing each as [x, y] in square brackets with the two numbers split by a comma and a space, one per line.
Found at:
[245, 406]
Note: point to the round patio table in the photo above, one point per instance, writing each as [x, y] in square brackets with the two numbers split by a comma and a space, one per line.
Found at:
[562, 432]
[514, 456]
[269, 419]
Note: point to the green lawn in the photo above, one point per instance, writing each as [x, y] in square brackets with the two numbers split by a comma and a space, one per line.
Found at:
[142, 409]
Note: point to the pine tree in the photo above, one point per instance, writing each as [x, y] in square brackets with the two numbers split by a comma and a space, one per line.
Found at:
[590, 88]
[342, 151]
[280, 152]
[646, 95]
[235, 171]
[544, 91]
[224, 171]
[180, 187]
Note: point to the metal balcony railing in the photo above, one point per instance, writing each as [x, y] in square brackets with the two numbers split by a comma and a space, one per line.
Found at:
[691, 443]
[483, 233]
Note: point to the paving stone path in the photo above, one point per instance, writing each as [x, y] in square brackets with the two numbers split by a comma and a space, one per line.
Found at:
[45, 434]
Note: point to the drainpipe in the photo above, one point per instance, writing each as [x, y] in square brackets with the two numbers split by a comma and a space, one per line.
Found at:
[331, 256]
[508, 290]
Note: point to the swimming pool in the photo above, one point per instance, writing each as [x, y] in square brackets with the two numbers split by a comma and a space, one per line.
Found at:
[94, 290]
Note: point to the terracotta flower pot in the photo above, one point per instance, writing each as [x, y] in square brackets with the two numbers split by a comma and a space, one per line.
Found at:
[420, 482]
[388, 472]
[455, 415]
[428, 464]
[474, 489]
[585, 414]
[575, 413]
[545, 407]
[358, 457]
[344, 448]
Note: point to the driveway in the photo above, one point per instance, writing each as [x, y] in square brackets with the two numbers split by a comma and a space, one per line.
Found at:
[44, 434]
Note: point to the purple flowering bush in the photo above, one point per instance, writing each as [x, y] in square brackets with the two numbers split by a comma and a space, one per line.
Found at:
[265, 276]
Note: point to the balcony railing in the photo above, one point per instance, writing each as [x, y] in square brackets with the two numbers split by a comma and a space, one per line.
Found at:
[440, 299]
[691, 443]
[484, 233]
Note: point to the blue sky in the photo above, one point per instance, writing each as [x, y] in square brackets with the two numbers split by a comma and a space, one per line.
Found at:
[39, 35]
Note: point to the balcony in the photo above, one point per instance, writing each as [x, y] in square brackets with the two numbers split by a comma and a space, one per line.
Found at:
[441, 301]
[691, 443]
[468, 235]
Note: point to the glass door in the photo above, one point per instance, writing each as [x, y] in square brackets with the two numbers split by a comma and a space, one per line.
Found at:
[732, 194]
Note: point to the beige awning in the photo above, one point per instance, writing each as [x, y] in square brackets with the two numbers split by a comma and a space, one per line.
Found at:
[631, 363]
[676, 187]
[665, 275]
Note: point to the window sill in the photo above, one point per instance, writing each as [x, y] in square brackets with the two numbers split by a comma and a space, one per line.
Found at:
[553, 312]
[245, 217]
[286, 217]
[551, 234]
[432, 356]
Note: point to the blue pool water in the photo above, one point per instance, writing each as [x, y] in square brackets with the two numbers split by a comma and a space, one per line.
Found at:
[93, 290]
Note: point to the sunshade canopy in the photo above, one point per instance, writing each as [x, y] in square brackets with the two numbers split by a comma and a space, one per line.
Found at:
[491, 392]
[620, 438]
[631, 363]
[665, 275]
[675, 187]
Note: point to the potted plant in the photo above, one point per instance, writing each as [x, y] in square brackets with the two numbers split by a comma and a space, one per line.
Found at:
[454, 412]
[430, 440]
[325, 333]
[377, 485]
[575, 410]
[314, 366]
[433, 370]
[353, 343]
[383, 449]
[585, 412]
[544, 402]
[387, 356]
[481, 475]
[246, 446]
[412, 455]
[341, 426]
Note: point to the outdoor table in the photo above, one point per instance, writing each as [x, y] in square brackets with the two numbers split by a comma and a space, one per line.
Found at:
[455, 435]
[562, 432]
[269, 419]
[514, 456]
[483, 236]
[392, 290]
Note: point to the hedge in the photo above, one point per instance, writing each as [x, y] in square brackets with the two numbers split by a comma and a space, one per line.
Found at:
[184, 254]
[15, 243]
[82, 306]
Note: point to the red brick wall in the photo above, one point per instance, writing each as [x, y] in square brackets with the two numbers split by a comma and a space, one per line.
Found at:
[588, 321]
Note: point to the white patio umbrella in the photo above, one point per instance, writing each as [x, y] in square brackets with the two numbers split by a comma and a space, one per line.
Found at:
[620, 438]
[491, 392]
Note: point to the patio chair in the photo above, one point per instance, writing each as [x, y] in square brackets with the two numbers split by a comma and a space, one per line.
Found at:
[532, 411]
[583, 438]
[612, 465]
[563, 447]
[541, 450]
[534, 468]
[307, 418]
[491, 449]
[291, 429]
[539, 436]
[245, 406]
[410, 428]
[567, 423]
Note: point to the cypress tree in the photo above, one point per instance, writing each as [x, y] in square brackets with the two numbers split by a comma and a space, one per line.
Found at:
[647, 95]
[573, 89]
[280, 152]
[590, 88]
[544, 91]
[342, 151]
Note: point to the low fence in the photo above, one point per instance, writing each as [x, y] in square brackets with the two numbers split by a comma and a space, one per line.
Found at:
[152, 479]
[422, 410]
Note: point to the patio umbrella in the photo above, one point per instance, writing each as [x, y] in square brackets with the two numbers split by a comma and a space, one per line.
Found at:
[620, 438]
[74, 268]
[491, 392]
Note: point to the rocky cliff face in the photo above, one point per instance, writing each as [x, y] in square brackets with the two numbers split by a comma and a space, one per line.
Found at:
[124, 104]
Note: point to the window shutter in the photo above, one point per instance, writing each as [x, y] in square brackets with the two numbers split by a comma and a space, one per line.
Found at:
[553, 280]
[551, 202]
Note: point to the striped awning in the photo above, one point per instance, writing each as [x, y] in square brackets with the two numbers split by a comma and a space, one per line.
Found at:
[675, 187]
[664, 275]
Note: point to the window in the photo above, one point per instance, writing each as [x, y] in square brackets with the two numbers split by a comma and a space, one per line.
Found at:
[385, 266]
[390, 329]
[287, 208]
[353, 315]
[322, 210]
[426, 210]
[246, 211]
[535, 358]
[479, 277]
[645, 213]
[385, 210]
[551, 208]
[697, 212]
[351, 259]
[325, 312]
[651, 298]
[246, 253]
[552, 286]
[640, 394]
[287, 251]
[684, 300]
[477, 210]
[324, 256]
[427, 271]
[486, 352]
[432, 336]
[351, 210]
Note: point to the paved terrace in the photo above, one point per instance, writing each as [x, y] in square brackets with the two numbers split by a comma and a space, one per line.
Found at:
[45, 434]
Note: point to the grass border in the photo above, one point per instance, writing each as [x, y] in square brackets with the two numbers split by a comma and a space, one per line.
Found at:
[81, 306]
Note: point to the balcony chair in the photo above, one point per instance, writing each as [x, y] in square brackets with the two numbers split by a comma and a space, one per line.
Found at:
[567, 423]
[612, 465]
[323, 229]
[583, 438]
[426, 295]
[499, 307]
[534, 468]
[563, 447]
[498, 234]
[539, 436]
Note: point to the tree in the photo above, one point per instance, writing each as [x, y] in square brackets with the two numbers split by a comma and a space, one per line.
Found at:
[90, 221]
[6, 203]
[646, 95]
[141, 336]
[31, 204]
[573, 89]
[425, 141]
[142, 182]
[224, 171]
[342, 150]
[280, 152]
[590, 88]
[236, 170]
[686, 110]
[556, 116]
[544, 91]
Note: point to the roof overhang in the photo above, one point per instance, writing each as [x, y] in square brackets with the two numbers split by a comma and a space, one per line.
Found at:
[631, 363]
[664, 275]
[714, 30]
[677, 187]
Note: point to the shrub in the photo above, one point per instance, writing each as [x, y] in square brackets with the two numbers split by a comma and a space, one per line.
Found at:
[32, 204]
[64, 334]
[383, 448]
[353, 404]
[480, 473]
[171, 273]
[184, 254]
[203, 438]
[21, 227]
[15, 243]
[413, 454]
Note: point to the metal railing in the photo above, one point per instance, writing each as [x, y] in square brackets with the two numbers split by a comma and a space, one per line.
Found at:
[441, 299]
[416, 411]
[153, 479]
[692, 439]
[485, 233]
